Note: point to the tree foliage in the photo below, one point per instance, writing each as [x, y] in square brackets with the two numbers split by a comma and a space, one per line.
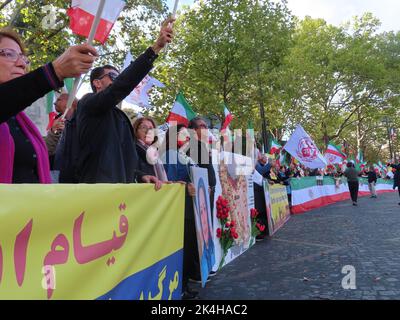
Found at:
[341, 83]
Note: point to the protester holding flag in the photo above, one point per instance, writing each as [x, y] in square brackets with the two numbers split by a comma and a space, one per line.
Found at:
[352, 179]
[107, 146]
[23, 153]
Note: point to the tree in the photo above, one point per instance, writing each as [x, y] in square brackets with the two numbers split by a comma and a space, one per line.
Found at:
[337, 77]
[44, 26]
[212, 59]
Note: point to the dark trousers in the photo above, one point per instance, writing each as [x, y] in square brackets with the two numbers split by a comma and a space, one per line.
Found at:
[212, 194]
[353, 187]
[191, 264]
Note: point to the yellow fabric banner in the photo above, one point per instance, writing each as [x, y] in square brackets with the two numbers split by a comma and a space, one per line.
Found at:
[91, 241]
[278, 211]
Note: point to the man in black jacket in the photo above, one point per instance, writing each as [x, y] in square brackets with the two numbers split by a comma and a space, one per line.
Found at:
[200, 152]
[107, 152]
[372, 180]
[396, 182]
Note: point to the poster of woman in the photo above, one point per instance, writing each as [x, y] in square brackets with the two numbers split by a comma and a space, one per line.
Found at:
[203, 223]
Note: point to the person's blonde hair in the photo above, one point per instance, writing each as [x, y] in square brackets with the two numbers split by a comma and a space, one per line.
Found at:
[8, 32]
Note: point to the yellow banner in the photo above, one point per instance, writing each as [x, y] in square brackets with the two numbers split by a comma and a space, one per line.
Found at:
[91, 241]
[278, 211]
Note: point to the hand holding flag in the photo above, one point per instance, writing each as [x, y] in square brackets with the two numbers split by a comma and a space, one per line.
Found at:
[75, 61]
[166, 35]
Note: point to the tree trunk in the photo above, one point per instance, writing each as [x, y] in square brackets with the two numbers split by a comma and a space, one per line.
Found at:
[359, 131]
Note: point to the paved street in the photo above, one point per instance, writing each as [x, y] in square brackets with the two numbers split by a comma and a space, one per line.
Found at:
[304, 259]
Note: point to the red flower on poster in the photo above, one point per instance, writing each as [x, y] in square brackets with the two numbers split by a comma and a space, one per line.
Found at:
[256, 227]
[227, 233]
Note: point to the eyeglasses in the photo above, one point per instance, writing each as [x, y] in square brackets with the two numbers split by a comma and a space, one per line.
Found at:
[145, 128]
[111, 75]
[12, 55]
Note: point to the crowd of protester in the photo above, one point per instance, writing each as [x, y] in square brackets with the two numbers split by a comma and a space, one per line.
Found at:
[95, 142]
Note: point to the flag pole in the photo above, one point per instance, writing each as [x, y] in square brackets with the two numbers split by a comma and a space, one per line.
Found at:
[175, 8]
[92, 34]
[173, 16]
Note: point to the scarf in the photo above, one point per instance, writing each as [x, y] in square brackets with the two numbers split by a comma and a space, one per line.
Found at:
[158, 166]
[7, 150]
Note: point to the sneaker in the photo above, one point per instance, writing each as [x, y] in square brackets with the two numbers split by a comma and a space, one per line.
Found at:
[212, 273]
[355, 204]
[196, 280]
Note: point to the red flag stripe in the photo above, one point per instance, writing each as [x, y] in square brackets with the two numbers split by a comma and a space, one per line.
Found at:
[81, 23]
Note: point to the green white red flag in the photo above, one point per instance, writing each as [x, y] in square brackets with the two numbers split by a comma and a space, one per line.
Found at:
[181, 112]
[275, 147]
[228, 118]
[334, 155]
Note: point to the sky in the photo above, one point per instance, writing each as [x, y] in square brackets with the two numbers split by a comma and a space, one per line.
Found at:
[339, 11]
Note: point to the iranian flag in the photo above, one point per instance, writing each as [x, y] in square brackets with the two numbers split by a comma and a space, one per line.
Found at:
[333, 154]
[343, 165]
[228, 118]
[308, 195]
[377, 169]
[360, 163]
[281, 161]
[275, 147]
[181, 112]
[83, 12]
[383, 168]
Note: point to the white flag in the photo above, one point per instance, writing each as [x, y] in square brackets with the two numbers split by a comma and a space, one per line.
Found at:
[303, 148]
[140, 95]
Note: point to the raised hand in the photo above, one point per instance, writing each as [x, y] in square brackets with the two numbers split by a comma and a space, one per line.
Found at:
[166, 35]
[75, 61]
